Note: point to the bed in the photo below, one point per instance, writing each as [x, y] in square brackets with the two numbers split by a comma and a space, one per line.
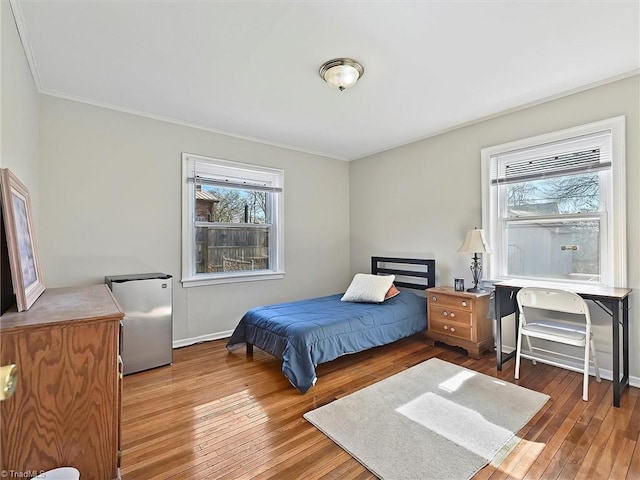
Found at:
[309, 332]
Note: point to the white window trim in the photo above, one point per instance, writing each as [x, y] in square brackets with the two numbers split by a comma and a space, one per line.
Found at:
[242, 171]
[618, 231]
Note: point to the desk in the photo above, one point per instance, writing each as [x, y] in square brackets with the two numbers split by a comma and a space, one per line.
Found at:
[614, 301]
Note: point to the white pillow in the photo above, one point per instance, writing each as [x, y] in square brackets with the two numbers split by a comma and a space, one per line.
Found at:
[368, 288]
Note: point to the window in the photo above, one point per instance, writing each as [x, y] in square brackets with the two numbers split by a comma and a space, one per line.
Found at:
[232, 221]
[554, 206]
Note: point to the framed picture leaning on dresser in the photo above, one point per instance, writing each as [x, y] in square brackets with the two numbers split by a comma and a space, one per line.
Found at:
[26, 274]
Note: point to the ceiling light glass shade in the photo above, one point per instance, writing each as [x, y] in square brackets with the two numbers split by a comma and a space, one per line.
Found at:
[341, 73]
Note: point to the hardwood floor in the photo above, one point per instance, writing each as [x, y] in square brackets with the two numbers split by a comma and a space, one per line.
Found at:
[214, 415]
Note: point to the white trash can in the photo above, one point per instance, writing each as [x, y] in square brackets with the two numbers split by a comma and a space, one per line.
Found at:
[62, 473]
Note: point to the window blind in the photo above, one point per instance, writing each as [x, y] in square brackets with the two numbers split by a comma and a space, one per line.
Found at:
[583, 154]
[235, 176]
[198, 180]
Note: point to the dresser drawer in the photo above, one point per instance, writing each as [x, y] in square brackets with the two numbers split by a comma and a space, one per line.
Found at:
[451, 301]
[451, 329]
[444, 314]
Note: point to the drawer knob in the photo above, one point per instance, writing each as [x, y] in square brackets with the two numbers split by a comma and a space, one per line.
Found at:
[453, 329]
[445, 313]
[434, 299]
[453, 314]
[464, 304]
[446, 327]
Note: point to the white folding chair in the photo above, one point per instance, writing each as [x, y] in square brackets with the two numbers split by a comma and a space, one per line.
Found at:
[547, 302]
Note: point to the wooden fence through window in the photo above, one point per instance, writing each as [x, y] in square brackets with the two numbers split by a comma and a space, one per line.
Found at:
[221, 249]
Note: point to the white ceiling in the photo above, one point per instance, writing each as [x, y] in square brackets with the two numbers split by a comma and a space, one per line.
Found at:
[250, 69]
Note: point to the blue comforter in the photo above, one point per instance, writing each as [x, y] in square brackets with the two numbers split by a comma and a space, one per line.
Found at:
[309, 332]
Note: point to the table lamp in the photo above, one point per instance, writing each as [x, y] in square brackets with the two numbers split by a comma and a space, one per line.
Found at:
[475, 243]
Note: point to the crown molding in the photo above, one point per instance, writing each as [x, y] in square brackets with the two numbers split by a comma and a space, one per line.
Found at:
[18, 18]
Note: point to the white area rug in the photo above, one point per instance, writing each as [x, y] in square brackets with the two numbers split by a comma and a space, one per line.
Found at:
[436, 420]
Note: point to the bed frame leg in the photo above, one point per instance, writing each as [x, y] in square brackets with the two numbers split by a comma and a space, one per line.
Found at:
[249, 349]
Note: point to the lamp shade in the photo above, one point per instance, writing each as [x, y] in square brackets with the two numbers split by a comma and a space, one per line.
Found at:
[475, 242]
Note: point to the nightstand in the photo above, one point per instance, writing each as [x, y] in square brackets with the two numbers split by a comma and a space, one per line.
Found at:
[459, 319]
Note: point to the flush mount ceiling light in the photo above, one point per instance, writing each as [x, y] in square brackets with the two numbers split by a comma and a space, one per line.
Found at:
[341, 73]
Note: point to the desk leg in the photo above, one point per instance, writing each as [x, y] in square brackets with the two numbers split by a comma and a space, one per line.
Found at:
[615, 319]
[625, 342]
[505, 299]
[498, 309]
[619, 384]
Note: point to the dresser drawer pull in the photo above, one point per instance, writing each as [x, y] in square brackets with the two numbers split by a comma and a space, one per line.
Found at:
[435, 299]
[453, 329]
[445, 327]
[464, 304]
[445, 313]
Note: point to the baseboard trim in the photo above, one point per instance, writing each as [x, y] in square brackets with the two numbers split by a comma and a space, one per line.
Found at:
[185, 342]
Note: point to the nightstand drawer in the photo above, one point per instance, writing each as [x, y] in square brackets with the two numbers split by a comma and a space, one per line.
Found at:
[451, 301]
[444, 314]
[451, 329]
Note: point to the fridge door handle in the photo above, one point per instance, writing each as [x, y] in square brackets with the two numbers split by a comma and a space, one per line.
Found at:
[120, 338]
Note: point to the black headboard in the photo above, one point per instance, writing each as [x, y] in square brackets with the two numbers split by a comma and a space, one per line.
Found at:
[394, 266]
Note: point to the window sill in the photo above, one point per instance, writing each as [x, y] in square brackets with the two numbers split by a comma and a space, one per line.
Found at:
[230, 278]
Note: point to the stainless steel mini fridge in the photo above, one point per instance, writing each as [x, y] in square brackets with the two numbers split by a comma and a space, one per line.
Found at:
[147, 332]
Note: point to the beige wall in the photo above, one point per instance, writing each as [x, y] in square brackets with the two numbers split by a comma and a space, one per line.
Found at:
[420, 199]
[19, 104]
[111, 190]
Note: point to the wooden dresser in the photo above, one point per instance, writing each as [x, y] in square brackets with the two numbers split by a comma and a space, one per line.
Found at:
[459, 319]
[66, 407]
